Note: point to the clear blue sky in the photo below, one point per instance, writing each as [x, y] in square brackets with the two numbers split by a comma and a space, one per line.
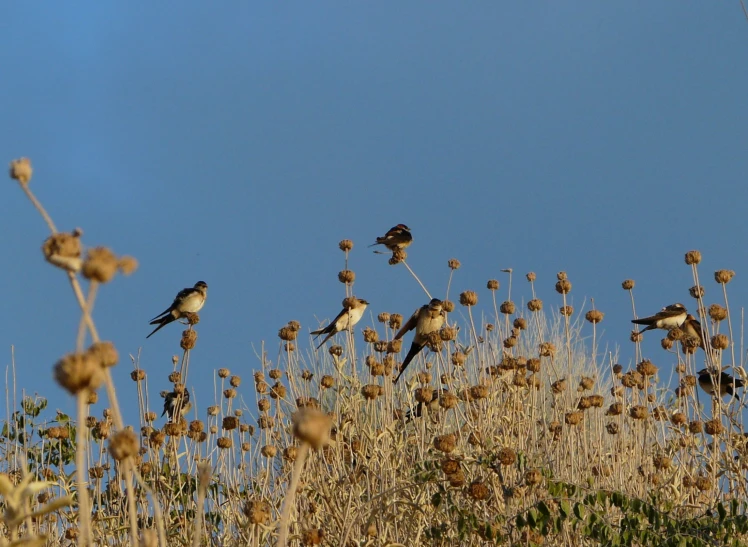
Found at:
[238, 142]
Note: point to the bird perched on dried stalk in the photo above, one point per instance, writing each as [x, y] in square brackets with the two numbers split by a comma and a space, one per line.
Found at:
[174, 400]
[425, 320]
[667, 318]
[353, 311]
[397, 237]
[727, 384]
[189, 300]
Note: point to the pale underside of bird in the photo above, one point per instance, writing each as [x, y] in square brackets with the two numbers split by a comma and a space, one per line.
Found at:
[397, 237]
[346, 319]
[172, 400]
[727, 384]
[189, 300]
[668, 318]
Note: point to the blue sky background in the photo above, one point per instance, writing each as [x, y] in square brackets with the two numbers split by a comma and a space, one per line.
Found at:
[238, 142]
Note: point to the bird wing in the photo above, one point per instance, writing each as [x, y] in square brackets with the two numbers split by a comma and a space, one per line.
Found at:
[664, 314]
[331, 326]
[409, 325]
[181, 295]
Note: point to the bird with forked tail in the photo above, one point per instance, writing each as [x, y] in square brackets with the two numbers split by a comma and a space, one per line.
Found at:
[397, 237]
[667, 318]
[347, 318]
[425, 320]
[189, 300]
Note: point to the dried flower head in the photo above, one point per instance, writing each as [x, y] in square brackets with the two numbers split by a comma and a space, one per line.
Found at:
[714, 427]
[492, 285]
[520, 323]
[534, 305]
[678, 419]
[287, 334]
[345, 245]
[612, 428]
[547, 349]
[614, 409]
[563, 286]
[697, 291]
[398, 255]
[533, 477]
[453, 264]
[594, 316]
[64, 250]
[723, 276]
[468, 298]
[383, 317]
[396, 321]
[639, 412]
[448, 306]
[346, 276]
[627, 284]
[370, 391]
[448, 333]
[693, 257]
[189, 338]
[127, 265]
[21, 170]
[312, 426]
[124, 444]
[445, 443]
[720, 341]
[566, 311]
[78, 371]
[646, 368]
[574, 418]
[507, 308]
[104, 352]
[636, 336]
[559, 386]
[586, 383]
[531, 276]
[478, 490]
[100, 265]
[717, 313]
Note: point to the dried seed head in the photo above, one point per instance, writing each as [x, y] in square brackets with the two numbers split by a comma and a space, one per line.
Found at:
[398, 255]
[275, 374]
[559, 386]
[445, 443]
[64, 251]
[124, 444]
[468, 298]
[693, 257]
[717, 313]
[269, 451]
[370, 391]
[232, 422]
[555, 428]
[584, 403]
[327, 381]
[137, 375]
[586, 383]
[383, 317]
[574, 418]
[278, 391]
[536, 304]
[646, 368]
[370, 335]
[639, 412]
[627, 284]
[507, 308]
[346, 276]
[478, 491]
[561, 276]
[189, 337]
[661, 462]
[21, 170]
[104, 352]
[448, 306]
[307, 402]
[394, 346]
[224, 443]
[458, 358]
[714, 427]
[424, 395]
[453, 264]
[307, 375]
[345, 245]
[263, 405]
[266, 422]
[547, 349]
[448, 400]
[531, 276]
[100, 265]
[235, 381]
[563, 286]
[614, 410]
[566, 311]
[696, 427]
[289, 453]
[478, 392]
[612, 428]
[492, 285]
[520, 323]
[448, 333]
[335, 350]
[213, 410]
[533, 364]
[78, 371]
[450, 466]
[313, 536]
[396, 321]
[127, 265]
[697, 291]
[424, 377]
[312, 426]
[678, 419]
[533, 477]
[675, 334]
[704, 484]
[230, 393]
[636, 336]
[594, 316]
[723, 276]
[720, 341]
[287, 333]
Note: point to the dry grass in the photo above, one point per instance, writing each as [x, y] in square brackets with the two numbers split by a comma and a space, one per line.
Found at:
[518, 428]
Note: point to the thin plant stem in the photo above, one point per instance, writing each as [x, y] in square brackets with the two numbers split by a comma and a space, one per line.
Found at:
[419, 281]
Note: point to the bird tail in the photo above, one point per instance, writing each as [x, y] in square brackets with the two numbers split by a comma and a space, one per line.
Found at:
[161, 324]
[414, 350]
[329, 335]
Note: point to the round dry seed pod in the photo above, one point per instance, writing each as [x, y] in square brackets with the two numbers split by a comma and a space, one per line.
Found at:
[561, 276]
[697, 291]
[192, 318]
[693, 257]
[269, 451]
[457, 480]
[723, 276]
[327, 381]
[370, 391]
[584, 403]
[458, 358]
[586, 383]
[278, 391]
[383, 317]
[468, 298]
[531, 276]
[235, 381]
[189, 337]
[345, 245]
[445, 443]
[453, 264]
[636, 336]
[594, 316]
[138, 375]
[566, 311]
[224, 443]
[224, 373]
[123, 444]
[449, 466]
[535, 305]
[335, 350]
[660, 413]
[678, 419]
[175, 378]
[78, 371]
[266, 422]
[21, 170]
[100, 265]
[307, 375]
[448, 306]
[479, 392]
[639, 412]
[506, 456]
[519, 380]
[533, 477]
[396, 321]
[646, 368]
[510, 342]
[394, 346]
[574, 418]
[424, 377]
[289, 453]
[448, 333]
[614, 409]
[547, 349]
[520, 323]
[370, 336]
[533, 364]
[398, 255]
[346, 276]
[64, 251]
[675, 334]
[627, 284]
[507, 307]
[275, 374]
[696, 427]
[717, 313]
[703, 484]
[596, 401]
[492, 285]
[555, 428]
[720, 341]
[563, 287]
[559, 386]
[533, 380]
[312, 426]
[714, 427]
[424, 394]
[231, 422]
[612, 428]
[448, 400]
[213, 410]
[478, 491]
[287, 333]
[230, 393]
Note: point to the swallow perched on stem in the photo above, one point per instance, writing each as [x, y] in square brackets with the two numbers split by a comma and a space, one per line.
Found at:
[667, 318]
[727, 384]
[425, 320]
[174, 399]
[397, 237]
[347, 318]
[189, 300]
[692, 329]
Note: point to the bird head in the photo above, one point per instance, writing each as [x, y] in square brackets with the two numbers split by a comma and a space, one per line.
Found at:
[201, 286]
[435, 304]
[403, 227]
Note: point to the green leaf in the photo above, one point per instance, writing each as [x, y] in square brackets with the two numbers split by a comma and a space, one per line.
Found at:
[544, 509]
[722, 512]
[579, 511]
[565, 509]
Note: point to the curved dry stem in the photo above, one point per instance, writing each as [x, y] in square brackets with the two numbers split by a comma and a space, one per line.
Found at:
[285, 519]
[42, 211]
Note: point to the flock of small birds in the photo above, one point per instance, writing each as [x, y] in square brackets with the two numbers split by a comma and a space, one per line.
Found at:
[428, 319]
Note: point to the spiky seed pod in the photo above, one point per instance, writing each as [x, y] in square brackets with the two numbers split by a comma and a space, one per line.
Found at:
[123, 445]
[627, 284]
[231, 422]
[584, 403]
[445, 443]
[639, 412]
[614, 409]
[398, 255]
[64, 251]
[559, 386]
[468, 298]
[697, 291]
[646, 368]
[561, 276]
[717, 313]
[383, 317]
[434, 341]
[156, 439]
[563, 287]
[275, 374]
[510, 342]
[703, 484]
[594, 316]
[678, 419]
[596, 401]
[345, 245]
[547, 349]
[506, 456]
[448, 400]
[137, 375]
[683, 391]
[723, 276]
[335, 350]
[478, 490]
[636, 336]
[450, 466]
[21, 170]
[448, 333]
[175, 377]
[278, 391]
[370, 335]
[266, 422]
[612, 428]
[690, 344]
[189, 337]
[693, 257]
[287, 334]
[263, 405]
[533, 477]
[566, 311]
[459, 358]
[574, 418]
[675, 334]
[424, 377]
[289, 453]
[531, 277]
[224, 373]
[269, 451]
[394, 346]
[689, 381]
[479, 391]
[448, 306]
[327, 381]
[307, 375]
[100, 265]
[294, 325]
[370, 391]
[492, 285]
[396, 321]
[424, 395]
[225, 442]
[533, 364]
[260, 387]
[696, 427]
[586, 383]
[346, 276]
[191, 317]
[507, 308]
[714, 427]
[378, 369]
[555, 428]
[91, 421]
[453, 264]
[720, 341]
[197, 426]
[457, 480]
[79, 371]
[534, 305]
[213, 410]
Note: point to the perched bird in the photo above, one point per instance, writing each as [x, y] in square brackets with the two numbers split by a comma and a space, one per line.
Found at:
[172, 400]
[727, 383]
[667, 318]
[692, 329]
[187, 301]
[344, 320]
[432, 406]
[426, 319]
[397, 237]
